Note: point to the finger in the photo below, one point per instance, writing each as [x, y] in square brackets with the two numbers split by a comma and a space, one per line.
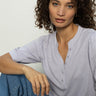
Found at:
[46, 84]
[42, 85]
[33, 86]
[37, 86]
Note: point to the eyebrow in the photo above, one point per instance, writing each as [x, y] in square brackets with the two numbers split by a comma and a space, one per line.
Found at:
[70, 2]
[67, 2]
[55, 0]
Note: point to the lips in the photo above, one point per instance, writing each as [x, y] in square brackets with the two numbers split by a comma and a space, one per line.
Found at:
[59, 20]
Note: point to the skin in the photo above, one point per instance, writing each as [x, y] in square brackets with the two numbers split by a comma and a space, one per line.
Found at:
[8, 66]
[65, 31]
[64, 9]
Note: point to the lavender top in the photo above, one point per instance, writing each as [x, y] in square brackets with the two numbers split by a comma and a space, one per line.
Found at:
[77, 77]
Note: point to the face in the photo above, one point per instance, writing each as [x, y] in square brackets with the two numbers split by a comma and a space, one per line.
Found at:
[62, 12]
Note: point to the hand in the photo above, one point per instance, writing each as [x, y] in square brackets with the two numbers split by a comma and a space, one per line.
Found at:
[37, 79]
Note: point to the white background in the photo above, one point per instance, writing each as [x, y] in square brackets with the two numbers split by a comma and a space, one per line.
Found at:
[17, 25]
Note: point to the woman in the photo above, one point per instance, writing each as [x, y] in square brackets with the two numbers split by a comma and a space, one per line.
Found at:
[68, 53]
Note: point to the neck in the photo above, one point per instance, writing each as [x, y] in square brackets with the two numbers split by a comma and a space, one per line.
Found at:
[65, 34]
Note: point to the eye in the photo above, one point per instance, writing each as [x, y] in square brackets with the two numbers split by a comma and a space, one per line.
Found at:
[70, 6]
[55, 4]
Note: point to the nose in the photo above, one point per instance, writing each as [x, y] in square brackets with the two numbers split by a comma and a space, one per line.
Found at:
[61, 11]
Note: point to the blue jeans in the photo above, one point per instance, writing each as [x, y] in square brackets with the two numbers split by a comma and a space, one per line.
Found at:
[15, 85]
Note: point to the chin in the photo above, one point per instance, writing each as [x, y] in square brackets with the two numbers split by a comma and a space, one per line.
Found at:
[62, 25]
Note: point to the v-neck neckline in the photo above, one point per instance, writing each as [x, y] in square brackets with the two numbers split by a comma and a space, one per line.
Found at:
[70, 44]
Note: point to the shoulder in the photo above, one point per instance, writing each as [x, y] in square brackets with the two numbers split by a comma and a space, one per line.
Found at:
[92, 41]
[46, 38]
[87, 32]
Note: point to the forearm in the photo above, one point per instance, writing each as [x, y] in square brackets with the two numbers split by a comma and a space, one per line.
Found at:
[8, 66]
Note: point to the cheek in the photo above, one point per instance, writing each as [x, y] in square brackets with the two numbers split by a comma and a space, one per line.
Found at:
[51, 11]
[71, 15]
[51, 16]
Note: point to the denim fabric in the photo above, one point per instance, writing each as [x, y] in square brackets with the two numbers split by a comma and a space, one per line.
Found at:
[3, 86]
[15, 85]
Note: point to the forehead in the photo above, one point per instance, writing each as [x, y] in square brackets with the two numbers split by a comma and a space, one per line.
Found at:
[72, 1]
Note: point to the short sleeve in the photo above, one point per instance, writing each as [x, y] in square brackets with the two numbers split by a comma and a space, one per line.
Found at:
[92, 53]
[29, 53]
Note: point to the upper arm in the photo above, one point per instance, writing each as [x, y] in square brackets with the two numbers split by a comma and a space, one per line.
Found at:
[29, 53]
[92, 53]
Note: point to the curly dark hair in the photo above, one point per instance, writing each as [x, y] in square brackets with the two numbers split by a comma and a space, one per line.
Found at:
[85, 15]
